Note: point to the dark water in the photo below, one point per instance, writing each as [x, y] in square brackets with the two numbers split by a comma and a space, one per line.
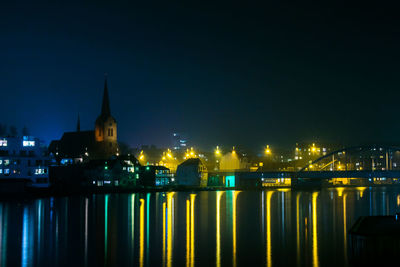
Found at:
[231, 228]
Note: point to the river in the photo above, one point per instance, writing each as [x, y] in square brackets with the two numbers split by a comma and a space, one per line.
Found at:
[279, 227]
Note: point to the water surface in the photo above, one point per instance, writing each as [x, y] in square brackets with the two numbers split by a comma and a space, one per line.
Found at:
[208, 228]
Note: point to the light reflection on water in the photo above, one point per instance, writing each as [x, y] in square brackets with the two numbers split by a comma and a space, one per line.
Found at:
[270, 228]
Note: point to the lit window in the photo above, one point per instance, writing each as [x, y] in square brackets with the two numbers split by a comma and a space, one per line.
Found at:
[1, 161]
[3, 142]
[1, 171]
[6, 162]
[28, 143]
[7, 171]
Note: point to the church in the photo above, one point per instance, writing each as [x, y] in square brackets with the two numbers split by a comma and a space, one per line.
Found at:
[80, 146]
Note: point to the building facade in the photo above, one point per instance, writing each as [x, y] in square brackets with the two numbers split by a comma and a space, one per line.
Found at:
[80, 146]
[23, 158]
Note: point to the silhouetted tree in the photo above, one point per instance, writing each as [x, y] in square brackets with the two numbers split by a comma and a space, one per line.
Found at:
[13, 131]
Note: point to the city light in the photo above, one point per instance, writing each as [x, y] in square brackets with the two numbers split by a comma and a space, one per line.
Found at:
[217, 152]
[267, 150]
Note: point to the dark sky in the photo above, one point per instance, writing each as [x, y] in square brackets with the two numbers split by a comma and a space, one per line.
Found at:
[228, 74]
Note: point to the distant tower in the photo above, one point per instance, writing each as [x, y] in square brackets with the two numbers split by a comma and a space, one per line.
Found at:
[106, 128]
[78, 124]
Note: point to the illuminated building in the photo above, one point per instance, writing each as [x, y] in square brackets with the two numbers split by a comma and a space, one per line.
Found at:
[100, 143]
[192, 172]
[151, 175]
[119, 171]
[22, 159]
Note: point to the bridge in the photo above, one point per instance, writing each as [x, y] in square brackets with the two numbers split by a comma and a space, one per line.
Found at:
[368, 162]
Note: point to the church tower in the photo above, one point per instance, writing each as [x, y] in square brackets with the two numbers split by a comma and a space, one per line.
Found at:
[106, 128]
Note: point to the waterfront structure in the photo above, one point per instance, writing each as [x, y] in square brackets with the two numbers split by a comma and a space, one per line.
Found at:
[155, 176]
[100, 143]
[23, 160]
[119, 171]
[192, 172]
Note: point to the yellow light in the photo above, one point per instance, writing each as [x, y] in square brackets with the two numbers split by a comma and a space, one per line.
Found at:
[141, 155]
[169, 227]
[298, 227]
[268, 214]
[235, 195]
[218, 226]
[267, 150]
[315, 237]
[217, 151]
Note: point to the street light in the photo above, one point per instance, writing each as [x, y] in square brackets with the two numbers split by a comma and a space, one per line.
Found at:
[217, 152]
[267, 150]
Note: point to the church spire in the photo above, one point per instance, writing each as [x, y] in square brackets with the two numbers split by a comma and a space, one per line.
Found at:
[78, 124]
[105, 108]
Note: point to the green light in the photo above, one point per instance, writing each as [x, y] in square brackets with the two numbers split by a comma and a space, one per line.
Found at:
[106, 167]
[147, 168]
[230, 181]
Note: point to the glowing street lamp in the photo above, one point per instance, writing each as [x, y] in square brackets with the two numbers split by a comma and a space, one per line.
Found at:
[267, 151]
[217, 152]
[141, 156]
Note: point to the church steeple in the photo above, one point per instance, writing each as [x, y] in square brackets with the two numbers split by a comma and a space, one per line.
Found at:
[78, 124]
[105, 107]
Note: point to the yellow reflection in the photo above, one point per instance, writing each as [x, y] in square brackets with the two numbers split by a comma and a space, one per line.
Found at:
[218, 232]
[235, 195]
[284, 189]
[298, 226]
[187, 233]
[361, 189]
[345, 226]
[169, 227]
[192, 200]
[398, 200]
[163, 254]
[340, 191]
[141, 232]
[268, 214]
[315, 237]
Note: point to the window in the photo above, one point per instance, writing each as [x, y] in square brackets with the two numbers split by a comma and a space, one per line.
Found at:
[22, 153]
[6, 171]
[112, 132]
[1, 161]
[1, 171]
[28, 143]
[3, 142]
[6, 162]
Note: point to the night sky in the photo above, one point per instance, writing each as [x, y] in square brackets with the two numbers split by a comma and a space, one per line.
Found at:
[223, 74]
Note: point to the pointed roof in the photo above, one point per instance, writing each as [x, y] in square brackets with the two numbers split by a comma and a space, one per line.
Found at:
[105, 107]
